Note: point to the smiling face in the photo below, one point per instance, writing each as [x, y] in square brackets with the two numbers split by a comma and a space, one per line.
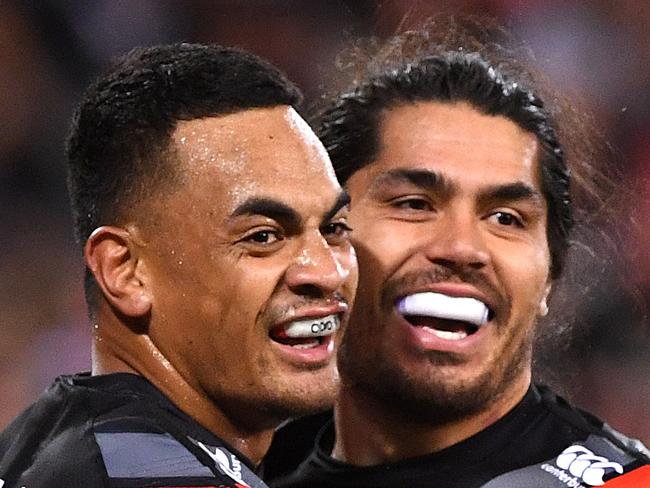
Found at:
[251, 247]
[450, 232]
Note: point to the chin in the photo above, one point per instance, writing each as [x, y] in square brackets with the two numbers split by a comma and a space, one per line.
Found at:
[301, 397]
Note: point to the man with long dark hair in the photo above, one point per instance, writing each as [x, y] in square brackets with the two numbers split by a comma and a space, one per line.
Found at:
[460, 176]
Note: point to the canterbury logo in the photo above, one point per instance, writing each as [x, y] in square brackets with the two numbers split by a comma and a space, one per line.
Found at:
[585, 465]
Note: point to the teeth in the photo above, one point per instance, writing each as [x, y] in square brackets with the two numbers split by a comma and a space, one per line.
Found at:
[306, 345]
[437, 305]
[314, 327]
[446, 334]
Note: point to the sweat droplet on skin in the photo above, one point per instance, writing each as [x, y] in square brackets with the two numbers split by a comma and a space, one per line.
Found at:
[201, 152]
[304, 259]
[320, 154]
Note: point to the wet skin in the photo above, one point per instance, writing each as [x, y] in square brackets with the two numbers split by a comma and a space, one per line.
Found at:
[252, 236]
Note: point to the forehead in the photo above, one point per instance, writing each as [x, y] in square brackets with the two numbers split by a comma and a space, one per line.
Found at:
[457, 140]
[263, 152]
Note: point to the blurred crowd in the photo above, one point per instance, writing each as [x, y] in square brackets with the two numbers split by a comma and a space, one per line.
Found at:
[51, 49]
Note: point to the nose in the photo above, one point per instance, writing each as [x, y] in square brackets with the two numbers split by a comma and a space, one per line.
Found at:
[457, 242]
[318, 269]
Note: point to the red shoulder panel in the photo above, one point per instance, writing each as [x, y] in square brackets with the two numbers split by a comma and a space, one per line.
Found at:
[639, 478]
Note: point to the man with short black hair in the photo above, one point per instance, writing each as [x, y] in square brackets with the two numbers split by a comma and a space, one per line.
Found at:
[214, 287]
[462, 209]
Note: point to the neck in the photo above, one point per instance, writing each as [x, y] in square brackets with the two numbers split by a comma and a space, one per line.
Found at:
[386, 435]
[117, 349]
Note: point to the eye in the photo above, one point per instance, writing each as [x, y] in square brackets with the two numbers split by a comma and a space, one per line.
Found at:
[506, 219]
[263, 237]
[335, 232]
[412, 203]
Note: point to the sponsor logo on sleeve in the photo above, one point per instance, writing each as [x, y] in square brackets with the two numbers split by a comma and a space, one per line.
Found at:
[577, 467]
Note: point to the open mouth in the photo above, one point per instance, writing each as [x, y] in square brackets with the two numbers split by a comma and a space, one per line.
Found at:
[308, 333]
[447, 317]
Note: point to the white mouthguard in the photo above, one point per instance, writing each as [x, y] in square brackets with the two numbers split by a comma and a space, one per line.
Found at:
[429, 304]
[315, 327]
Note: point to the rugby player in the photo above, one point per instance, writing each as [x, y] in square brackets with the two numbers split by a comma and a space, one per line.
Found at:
[462, 210]
[214, 287]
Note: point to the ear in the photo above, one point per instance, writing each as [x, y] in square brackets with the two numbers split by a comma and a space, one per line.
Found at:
[543, 304]
[111, 256]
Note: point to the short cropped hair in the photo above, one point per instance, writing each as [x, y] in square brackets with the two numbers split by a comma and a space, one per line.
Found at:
[119, 149]
[121, 132]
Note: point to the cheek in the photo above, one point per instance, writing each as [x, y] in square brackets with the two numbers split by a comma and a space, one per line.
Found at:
[247, 288]
[216, 291]
[383, 246]
[526, 275]
[347, 259]
[227, 323]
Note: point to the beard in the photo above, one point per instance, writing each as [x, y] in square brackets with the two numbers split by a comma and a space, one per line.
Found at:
[432, 395]
[440, 388]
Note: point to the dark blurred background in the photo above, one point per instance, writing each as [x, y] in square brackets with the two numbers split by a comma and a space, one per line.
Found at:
[51, 49]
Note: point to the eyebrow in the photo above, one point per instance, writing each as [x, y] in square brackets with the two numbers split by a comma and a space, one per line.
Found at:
[432, 181]
[281, 212]
[511, 192]
[341, 201]
[423, 178]
[270, 208]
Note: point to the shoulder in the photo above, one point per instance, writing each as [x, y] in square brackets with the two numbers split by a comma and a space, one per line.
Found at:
[114, 432]
[165, 451]
[154, 444]
[150, 442]
[586, 425]
[586, 452]
[51, 441]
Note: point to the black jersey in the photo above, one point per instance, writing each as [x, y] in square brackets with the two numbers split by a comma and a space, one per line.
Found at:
[542, 443]
[117, 431]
